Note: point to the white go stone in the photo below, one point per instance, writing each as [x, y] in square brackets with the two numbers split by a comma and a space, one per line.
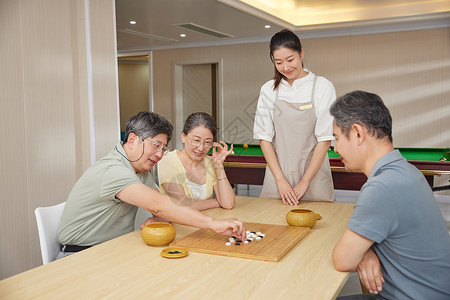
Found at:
[228, 244]
[258, 238]
[245, 242]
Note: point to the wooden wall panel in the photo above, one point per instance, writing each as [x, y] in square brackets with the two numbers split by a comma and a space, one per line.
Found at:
[81, 88]
[48, 98]
[13, 178]
[445, 86]
[43, 83]
[104, 73]
[38, 101]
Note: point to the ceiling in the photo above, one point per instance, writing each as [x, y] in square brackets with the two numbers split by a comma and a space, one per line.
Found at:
[216, 22]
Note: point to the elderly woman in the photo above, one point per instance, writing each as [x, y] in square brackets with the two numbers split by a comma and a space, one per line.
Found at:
[191, 176]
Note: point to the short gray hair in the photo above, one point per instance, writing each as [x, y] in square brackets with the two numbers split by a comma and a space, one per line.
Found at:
[148, 124]
[363, 108]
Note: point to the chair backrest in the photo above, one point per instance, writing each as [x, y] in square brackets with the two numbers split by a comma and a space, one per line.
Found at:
[444, 205]
[48, 219]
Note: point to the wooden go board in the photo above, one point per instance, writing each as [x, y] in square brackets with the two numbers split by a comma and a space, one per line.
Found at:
[277, 242]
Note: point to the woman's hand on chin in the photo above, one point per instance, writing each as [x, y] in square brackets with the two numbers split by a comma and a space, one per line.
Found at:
[220, 153]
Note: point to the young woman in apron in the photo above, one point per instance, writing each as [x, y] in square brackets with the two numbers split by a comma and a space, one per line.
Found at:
[294, 126]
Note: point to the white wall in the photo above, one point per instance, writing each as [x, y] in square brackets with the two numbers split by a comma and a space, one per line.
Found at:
[410, 70]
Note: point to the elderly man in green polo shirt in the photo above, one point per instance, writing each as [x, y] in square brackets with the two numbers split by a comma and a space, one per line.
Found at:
[103, 203]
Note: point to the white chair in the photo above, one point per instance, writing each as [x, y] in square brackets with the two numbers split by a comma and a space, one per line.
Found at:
[444, 205]
[48, 219]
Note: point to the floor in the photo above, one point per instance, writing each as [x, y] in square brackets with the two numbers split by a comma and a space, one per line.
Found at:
[352, 285]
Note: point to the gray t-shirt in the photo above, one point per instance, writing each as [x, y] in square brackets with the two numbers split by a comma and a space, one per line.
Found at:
[93, 214]
[397, 210]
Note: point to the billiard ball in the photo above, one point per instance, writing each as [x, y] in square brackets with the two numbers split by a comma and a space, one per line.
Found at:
[245, 146]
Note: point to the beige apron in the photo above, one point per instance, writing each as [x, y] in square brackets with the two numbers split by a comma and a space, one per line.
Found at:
[294, 143]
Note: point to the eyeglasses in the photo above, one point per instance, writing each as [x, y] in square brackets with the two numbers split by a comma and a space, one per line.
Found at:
[197, 142]
[158, 146]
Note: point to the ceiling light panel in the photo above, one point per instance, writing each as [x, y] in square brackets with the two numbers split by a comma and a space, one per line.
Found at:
[147, 35]
[203, 30]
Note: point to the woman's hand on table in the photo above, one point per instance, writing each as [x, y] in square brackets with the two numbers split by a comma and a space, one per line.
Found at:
[300, 189]
[229, 227]
[369, 272]
[287, 193]
[220, 152]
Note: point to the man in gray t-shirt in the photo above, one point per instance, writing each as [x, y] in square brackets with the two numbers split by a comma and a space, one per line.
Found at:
[103, 203]
[396, 238]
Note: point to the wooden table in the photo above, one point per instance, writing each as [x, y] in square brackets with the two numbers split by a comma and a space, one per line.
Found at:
[126, 268]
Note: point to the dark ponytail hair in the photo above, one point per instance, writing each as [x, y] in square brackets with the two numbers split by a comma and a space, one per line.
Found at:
[283, 39]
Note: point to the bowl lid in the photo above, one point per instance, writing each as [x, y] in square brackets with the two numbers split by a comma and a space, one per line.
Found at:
[174, 252]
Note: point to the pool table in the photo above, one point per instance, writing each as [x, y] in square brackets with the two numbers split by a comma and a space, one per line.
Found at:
[247, 166]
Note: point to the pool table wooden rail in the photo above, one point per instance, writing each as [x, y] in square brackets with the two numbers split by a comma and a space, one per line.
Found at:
[250, 169]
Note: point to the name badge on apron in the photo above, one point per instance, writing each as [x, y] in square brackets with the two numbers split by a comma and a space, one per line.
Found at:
[306, 106]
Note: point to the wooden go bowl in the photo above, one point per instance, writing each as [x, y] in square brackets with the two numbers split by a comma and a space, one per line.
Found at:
[158, 234]
[301, 217]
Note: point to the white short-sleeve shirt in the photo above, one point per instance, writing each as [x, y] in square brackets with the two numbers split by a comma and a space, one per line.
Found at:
[299, 92]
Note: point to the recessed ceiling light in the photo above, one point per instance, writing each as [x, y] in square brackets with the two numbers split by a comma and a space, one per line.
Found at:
[133, 22]
[267, 26]
[182, 35]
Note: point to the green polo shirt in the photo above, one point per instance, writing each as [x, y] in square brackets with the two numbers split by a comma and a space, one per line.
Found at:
[93, 214]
